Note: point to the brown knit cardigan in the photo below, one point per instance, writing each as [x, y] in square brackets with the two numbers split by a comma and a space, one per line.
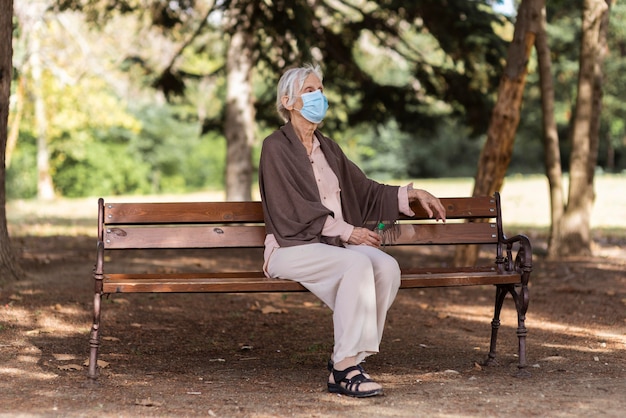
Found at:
[291, 203]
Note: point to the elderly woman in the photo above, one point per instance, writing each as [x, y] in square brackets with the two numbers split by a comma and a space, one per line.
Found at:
[320, 215]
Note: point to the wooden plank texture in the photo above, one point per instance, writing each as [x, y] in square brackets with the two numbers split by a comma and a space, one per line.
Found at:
[184, 212]
[462, 208]
[254, 236]
[443, 234]
[252, 212]
[184, 237]
[256, 282]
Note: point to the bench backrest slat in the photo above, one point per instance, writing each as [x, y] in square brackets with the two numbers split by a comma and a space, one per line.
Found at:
[462, 208]
[254, 235]
[184, 237]
[252, 212]
[444, 234]
[184, 212]
[240, 224]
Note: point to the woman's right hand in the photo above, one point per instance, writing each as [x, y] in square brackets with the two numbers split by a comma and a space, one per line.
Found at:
[364, 236]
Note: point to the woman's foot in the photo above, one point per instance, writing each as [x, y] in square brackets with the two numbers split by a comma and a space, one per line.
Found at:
[353, 381]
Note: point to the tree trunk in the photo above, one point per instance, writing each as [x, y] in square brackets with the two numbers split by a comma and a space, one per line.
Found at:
[575, 228]
[240, 114]
[552, 154]
[17, 120]
[496, 153]
[9, 268]
[45, 188]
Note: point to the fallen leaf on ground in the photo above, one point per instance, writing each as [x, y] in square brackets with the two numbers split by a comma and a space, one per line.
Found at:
[36, 332]
[63, 357]
[272, 310]
[120, 301]
[69, 367]
[110, 339]
[101, 363]
[147, 402]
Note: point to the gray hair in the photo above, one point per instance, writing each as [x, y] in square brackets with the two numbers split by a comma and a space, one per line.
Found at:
[291, 83]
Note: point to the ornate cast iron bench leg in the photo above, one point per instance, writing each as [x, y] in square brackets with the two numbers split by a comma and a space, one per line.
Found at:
[521, 305]
[94, 338]
[501, 292]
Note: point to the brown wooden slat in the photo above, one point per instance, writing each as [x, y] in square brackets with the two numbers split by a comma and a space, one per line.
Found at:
[184, 237]
[182, 212]
[449, 233]
[462, 208]
[256, 282]
[458, 279]
[254, 235]
[198, 282]
[451, 269]
[252, 212]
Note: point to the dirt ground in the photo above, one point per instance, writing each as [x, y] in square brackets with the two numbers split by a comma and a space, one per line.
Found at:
[264, 355]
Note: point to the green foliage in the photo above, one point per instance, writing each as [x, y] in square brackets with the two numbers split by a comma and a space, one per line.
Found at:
[386, 152]
[21, 175]
[99, 147]
[450, 152]
[378, 151]
[166, 156]
[102, 170]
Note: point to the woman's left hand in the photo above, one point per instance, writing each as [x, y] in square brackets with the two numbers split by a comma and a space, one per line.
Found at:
[430, 203]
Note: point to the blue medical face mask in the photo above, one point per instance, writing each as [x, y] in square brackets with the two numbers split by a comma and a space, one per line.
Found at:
[314, 106]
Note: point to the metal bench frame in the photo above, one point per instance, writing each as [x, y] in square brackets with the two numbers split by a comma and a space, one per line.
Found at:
[207, 225]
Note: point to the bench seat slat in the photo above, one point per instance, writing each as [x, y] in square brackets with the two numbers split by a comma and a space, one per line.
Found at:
[196, 282]
[257, 282]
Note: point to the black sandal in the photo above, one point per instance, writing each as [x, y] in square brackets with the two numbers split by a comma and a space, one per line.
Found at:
[352, 385]
[330, 366]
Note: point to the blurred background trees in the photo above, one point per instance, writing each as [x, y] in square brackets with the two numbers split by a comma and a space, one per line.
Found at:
[133, 96]
[154, 96]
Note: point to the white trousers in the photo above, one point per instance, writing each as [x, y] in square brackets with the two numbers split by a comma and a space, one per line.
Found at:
[359, 283]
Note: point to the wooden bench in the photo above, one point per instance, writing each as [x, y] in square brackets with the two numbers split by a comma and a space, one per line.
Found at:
[219, 225]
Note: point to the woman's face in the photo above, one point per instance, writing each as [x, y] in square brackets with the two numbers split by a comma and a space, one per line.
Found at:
[311, 83]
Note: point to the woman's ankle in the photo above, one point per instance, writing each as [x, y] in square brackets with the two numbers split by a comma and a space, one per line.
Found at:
[345, 363]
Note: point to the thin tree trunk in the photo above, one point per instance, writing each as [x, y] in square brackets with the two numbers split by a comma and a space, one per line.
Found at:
[552, 154]
[9, 267]
[496, 153]
[14, 131]
[240, 116]
[45, 188]
[240, 112]
[575, 228]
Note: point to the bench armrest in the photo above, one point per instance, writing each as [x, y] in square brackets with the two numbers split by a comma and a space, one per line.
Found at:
[523, 261]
